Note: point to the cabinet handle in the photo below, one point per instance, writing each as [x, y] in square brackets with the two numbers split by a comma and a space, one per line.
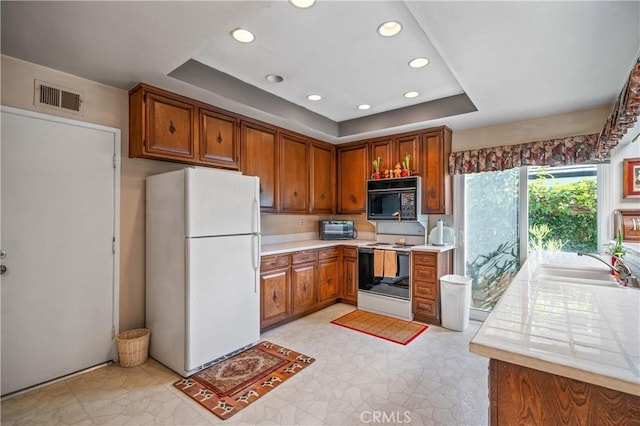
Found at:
[353, 198]
[432, 192]
[172, 128]
[261, 190]
[304, 286]
[329, 280]
[219, 138]
[322, 195]
[274, 296]
[295, 193]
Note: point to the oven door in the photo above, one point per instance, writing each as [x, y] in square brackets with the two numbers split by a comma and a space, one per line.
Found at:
[396, 286]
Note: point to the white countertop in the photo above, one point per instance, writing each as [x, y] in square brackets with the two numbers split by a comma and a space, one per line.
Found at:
[584, 332]
[278, 248]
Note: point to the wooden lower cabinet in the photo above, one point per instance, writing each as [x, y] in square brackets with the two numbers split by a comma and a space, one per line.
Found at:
[349, 290]
[274, 296]
[328, 273]
[298, 283]
[520, 395]
[303, 287]
[426, 270]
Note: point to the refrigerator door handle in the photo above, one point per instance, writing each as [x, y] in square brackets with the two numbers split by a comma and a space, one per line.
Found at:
[256, 261]
[256, 205]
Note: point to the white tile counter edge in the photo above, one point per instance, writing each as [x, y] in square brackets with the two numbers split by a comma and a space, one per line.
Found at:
[559, 364]
[286, 247]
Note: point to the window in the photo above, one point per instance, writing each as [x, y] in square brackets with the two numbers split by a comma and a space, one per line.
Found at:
[507, 214]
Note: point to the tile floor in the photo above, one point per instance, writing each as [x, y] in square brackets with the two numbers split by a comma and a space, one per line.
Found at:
[357, 379]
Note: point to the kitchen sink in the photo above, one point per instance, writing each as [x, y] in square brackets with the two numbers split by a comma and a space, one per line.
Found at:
[574, 275]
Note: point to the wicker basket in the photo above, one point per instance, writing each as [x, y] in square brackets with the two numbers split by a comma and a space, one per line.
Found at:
[133, 347]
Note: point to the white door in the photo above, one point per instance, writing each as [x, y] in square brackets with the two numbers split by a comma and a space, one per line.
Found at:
[223, 297]
[221, 203]
[58, 213]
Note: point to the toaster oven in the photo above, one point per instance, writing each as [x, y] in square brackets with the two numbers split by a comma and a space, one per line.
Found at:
[337, 230]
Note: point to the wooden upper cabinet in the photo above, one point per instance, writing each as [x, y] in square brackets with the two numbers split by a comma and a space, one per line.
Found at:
[161, 125]
[218, 139]
[294, 173]
[323, 172]
[409, 144]
[436, 181]
[382, 148]
[353, 171]
[260, 158]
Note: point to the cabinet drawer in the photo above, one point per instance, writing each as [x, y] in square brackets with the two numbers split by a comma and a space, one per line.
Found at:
[349, 251]
[274, 262]
[425, 291]
[424, 307]
[304, 256]
[427, 259]
[328, 253]
[424, 274]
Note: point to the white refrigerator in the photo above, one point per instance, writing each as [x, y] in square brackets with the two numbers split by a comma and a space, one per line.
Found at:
[202, 266]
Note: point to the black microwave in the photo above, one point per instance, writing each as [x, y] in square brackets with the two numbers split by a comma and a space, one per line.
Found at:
[393, 199]
[337, 230]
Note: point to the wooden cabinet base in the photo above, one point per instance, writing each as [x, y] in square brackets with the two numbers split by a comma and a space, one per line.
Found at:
[521, 395]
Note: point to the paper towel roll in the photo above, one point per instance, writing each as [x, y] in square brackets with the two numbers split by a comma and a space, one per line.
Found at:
[440, 232]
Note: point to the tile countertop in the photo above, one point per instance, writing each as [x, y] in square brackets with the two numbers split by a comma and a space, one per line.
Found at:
[278, 248]
[584, 332]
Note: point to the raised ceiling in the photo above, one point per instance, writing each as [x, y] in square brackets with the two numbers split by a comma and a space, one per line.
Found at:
[490, 62]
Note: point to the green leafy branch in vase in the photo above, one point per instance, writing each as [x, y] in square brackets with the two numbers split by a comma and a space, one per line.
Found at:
[376, 164]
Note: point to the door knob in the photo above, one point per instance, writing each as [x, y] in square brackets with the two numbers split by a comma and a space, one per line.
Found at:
[3, 269]
[3, 254]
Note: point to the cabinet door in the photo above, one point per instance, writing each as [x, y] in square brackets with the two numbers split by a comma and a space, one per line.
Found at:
[274, 297]
[169, 131]
[260, 158]
[294, 172]
[436, 184]
[303, 287]
[323, 172]
[218, 140]
[328, 282]
[350, 282]
[353, 169]
[409, 144]
[383, 149]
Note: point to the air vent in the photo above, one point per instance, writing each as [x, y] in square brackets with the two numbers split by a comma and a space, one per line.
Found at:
[60, 98]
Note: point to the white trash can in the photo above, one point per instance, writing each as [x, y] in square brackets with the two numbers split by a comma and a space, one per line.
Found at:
[455, 296]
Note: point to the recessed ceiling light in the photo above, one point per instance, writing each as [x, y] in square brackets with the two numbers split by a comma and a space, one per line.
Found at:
[364, 106]
[242, 35]
[418, 62]
[411, 94]
[314, 97]
[274, 78]
[303, 4]
[389, 28]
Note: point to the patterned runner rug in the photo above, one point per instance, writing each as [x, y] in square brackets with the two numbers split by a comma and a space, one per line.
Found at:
[387, 328]
[230, 385]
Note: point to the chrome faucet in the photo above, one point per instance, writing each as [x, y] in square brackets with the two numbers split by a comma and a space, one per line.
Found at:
[620, 268]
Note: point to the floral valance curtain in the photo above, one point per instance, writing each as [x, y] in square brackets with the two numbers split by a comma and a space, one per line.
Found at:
[563, 151]
[554, 152]
[623, 114]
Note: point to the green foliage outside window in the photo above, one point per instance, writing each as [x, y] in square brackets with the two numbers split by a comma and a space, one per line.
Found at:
[568, 209]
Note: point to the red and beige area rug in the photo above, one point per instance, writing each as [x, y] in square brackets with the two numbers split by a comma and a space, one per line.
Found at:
[392, 329]
[230, 385]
